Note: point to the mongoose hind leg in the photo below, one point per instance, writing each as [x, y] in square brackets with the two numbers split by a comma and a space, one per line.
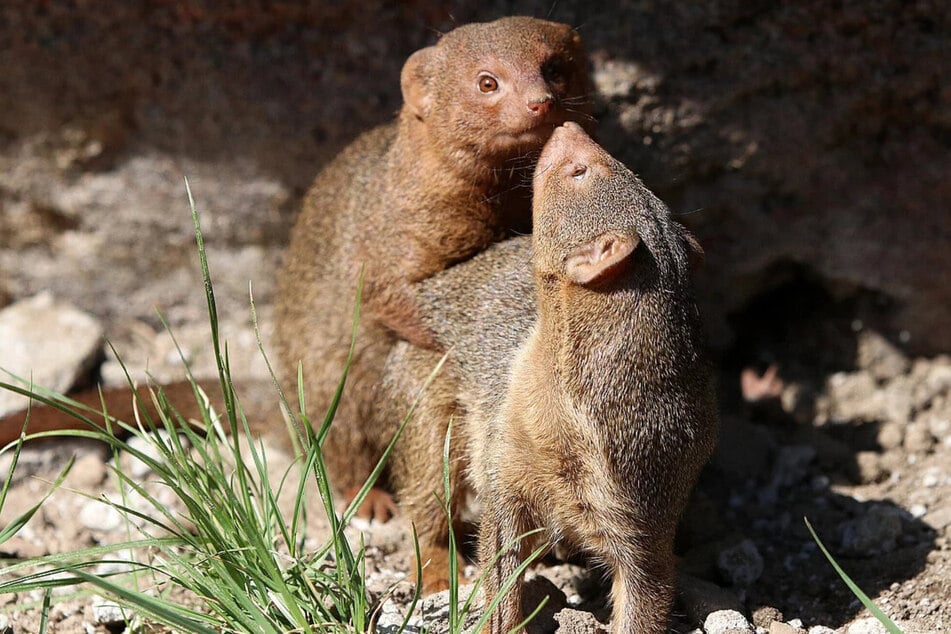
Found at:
[417, 462]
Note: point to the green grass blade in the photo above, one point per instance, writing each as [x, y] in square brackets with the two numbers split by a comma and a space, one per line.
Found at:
[162, 610]
[868, 603]
[18, 522]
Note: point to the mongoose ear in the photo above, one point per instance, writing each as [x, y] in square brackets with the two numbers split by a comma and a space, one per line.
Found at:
[413, 81]
[596, 261]
[695, 253]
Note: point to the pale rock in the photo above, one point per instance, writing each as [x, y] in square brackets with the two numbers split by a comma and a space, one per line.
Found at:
[48, 342]
[726, 622]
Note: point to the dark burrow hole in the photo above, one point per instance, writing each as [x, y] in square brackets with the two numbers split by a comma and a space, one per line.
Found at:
[807, 326]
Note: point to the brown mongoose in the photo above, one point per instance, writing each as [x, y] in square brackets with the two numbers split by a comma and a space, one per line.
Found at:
[410, 198]
[589, 406]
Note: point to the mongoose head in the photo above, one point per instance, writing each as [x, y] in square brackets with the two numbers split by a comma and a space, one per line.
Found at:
[497, 89]
[591, 213]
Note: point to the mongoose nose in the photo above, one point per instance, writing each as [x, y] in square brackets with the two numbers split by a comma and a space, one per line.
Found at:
[539, 106]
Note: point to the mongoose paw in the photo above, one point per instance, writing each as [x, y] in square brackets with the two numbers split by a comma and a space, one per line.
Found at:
[377, 506]
[435, 561]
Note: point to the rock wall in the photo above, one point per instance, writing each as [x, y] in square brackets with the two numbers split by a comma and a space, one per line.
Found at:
[801, 141]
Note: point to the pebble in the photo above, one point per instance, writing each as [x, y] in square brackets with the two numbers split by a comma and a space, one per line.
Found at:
[390, 621]
[931, 479]
[726, 622]
[147, 444]
[939, 426]
[764, 615]
[891, 435]
[821, 629]
[869, 467]
[879, 356]
[99, 516]
[918, 438]
[741, 564]
[874, 532]
[778, 627]
[47, 341]
[88, 472]
[108, 613]
[5, 627]
[577, 622]
[792, 464]
[938, 519]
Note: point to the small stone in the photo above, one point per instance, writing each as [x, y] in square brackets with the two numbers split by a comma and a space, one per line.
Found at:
[874, 532]
[936, 380]
[741, 564]
[869, 625]
[918, 438]
[49, 342]
[891, 435]
[931, 479]
[792, 465]
[778, 627]
[939, 425]
[99, 516]
[5, 626]
[938, 519]
[578, 622]
[764, 615]
[108, 613]
[821, 629]
[435, 610]
[148, 445]
[391, 622]
[88, 472]
[868, 467]
[880, 356]
[726, 622]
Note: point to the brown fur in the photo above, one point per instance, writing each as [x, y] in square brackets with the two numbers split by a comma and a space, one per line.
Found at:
[590, 414]
[409, 199]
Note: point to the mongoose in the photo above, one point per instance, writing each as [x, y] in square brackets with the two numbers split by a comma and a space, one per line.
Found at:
[408, 199]
[588, 404]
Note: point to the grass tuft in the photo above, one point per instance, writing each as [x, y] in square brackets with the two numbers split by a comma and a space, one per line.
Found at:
[223, 557]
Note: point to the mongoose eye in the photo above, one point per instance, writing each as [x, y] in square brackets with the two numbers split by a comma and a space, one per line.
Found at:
[488, 83]
[553, 71]
[579, 172]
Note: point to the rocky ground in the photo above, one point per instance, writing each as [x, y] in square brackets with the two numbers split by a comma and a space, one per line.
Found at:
[806, 145]
[864, 453]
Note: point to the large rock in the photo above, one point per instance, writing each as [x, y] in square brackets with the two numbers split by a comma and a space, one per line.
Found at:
[46, 341]
[811, 139]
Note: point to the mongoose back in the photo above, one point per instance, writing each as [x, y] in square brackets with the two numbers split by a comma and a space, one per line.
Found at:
[410, 198]
[589, 406]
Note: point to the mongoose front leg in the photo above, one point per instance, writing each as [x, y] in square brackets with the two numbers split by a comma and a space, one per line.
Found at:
[643, 588]
[502, 548]
[393, 303]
